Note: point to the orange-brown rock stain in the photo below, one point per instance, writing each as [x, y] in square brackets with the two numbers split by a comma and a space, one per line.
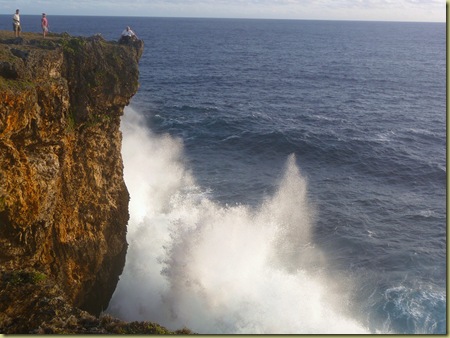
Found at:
[63, 200]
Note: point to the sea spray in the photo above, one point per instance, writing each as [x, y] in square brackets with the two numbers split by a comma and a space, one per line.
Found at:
[219, 269]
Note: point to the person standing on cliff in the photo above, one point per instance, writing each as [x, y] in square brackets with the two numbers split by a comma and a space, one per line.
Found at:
[44, 24]
[16, 24]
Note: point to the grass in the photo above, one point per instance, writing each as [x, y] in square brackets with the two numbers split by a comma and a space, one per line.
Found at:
[23, 277]
[72, 45]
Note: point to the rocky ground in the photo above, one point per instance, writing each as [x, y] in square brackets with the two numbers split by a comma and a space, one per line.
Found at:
[31, 303]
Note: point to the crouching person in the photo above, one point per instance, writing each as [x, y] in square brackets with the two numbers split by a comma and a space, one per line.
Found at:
[127, 36]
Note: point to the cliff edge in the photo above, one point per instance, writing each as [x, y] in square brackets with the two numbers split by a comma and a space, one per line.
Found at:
[63, 200]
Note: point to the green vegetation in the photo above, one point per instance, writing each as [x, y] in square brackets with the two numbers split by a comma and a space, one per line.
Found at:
[46, 43]
[15, 85]
[71, 124]
[116, 326]
[2, 203]
[72, 45]
[97, 78]
[98, 119]
[6, 55]
[23, 277]
[38, 277]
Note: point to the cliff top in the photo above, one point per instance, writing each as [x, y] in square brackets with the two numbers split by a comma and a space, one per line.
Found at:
[51, 41]
[94, 68]
[15, 50]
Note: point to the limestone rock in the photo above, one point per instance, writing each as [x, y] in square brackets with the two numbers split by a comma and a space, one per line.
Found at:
[63, 200]
[48, 310]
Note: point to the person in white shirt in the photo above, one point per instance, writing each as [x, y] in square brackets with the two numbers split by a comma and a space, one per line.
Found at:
[16, 24]
[127, 36]
[128, 32]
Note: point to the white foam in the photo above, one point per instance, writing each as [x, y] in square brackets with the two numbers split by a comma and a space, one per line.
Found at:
[194, 263]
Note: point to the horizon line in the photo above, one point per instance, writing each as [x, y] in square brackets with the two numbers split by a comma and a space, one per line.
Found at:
[228, 18]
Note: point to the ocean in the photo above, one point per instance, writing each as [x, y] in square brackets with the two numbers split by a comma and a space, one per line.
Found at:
[285, 176]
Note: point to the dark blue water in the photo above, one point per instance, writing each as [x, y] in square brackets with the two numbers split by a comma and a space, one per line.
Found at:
[362, 105]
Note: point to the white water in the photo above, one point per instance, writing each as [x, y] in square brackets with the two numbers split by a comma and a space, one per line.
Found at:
[213, 269]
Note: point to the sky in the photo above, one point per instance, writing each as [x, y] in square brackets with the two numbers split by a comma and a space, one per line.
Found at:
[373, 10]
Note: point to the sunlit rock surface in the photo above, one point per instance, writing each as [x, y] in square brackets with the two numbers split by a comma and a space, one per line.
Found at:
[63, 200]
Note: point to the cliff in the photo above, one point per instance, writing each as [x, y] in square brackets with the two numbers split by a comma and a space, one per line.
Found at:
[63, 201]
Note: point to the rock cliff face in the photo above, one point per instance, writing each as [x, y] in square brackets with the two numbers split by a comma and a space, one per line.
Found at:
[63, 201]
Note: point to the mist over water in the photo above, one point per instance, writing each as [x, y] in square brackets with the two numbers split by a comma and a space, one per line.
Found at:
[194, 263]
